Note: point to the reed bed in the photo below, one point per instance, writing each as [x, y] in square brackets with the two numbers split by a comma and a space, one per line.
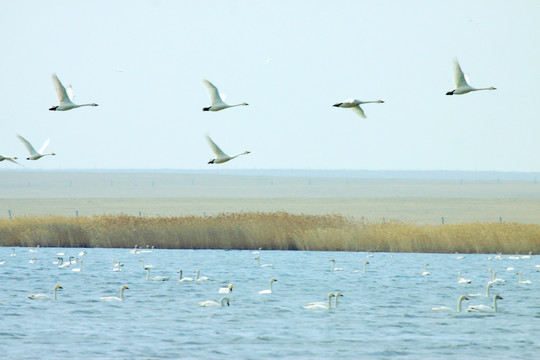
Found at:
[270, 231]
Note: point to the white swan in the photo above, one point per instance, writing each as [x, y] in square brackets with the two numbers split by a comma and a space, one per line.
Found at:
[32, 261]
[44, 296]
[225, 290]
[268, 291]
[521, 281]
[334, 268]
[66, 265]
[217, 103]
[485, 308]
[446, 308]
[115, 298]
[354, 105]
[82, 253]
[145, 266]
[319, 305]
[221, 157]
[495, 279]
[463, 280]
[363, 268]
[35, 155]
[9, 158]
[135, 250]
[263, 265]
[462, 83]
[65, 97]
[488, 287]
[425, 273]
[79, 269]
[180, 278]
[34, 249]
[222, 301]
[526, 256]
[155, 278]
[200, 278]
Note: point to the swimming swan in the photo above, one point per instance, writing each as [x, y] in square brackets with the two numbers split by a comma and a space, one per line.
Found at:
[263, 265]
[9, 158]
[145, 266]
[65, 97]
[44, 296]
[485, 308]
[462, 83]
[35, 155]
[337, 296]
[425, 273]
[225, 290]
[334, 268]
[180, 278]
[463, 280]
[115, 298]
[217, 103]
[155, 278]
[200, 278]
[268, 291]
[521, 281]
[320, 306]
[354, 105]
[446, 308]
[79, 269]
[221, 157]
[221, 302]
[488, 287]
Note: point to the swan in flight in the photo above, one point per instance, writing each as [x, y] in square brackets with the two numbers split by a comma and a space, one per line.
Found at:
[200, 278]
[446, 308]
[155, 278]
[268, 291]
[334, 268]
[222, 301]
[354, 105]
[217, 103]
[35, 155]
[521, 281]
[425, 273]
[44, 296]
[180, 278]
[320, 306]
[463, 280]
[115, 298]
[485, 308]
[462, 83]
[225, 290]
[65, 97]
[9, 158]
[221, 157]
[263, 265]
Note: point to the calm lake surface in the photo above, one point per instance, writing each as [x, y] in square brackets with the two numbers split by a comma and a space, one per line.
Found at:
[384, 313]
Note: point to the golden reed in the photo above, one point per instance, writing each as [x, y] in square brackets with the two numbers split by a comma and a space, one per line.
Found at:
[271, 231]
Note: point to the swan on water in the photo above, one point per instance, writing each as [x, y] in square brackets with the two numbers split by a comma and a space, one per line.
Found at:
[34, 249]
[425, 273]
[488, 287]
[485, 308]
[319, 305]
[35, 155]
[145, 266]
[521, 281]
[79, 269]
[217, 103]
[221, 157]
[526, 256]
[463, 280]
[263, 265]
[462, 83]
[334, 268]
[32, 261]
[446, 308]
[82, 253]
[45, 296]
[495, 279]
[9, 158]
[181, 278]
[65, 97]
[363, 268]
[354, 105]
[200, 278]
[155, 278]
[337, 296]
[135, 250]
[225, 290]
[269, 291]
[222, 301]
[115, 298]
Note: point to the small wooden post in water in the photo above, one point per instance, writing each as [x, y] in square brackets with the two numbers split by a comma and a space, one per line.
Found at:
[442, 220]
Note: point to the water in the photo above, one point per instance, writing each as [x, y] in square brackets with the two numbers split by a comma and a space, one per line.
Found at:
[384, 313]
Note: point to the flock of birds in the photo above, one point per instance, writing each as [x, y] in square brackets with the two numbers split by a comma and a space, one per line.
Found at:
[65, 103]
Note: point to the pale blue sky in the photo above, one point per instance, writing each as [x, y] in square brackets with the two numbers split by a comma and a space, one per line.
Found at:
[322, 52]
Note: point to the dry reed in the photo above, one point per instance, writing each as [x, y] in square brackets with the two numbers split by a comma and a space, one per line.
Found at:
[272, 231]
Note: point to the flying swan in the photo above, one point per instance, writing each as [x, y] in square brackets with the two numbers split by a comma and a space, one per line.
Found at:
[115, 298]
[65, 97]
[35, 155]
[354, 105]
[221, 157]
[462, 83]
[44, 296]
[217, 103]
[268, 291]
[9, 158]
[446, 308]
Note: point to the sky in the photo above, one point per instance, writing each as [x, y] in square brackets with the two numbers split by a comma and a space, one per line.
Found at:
[143, 61]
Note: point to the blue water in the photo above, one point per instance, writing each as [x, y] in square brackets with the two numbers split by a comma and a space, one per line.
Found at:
[384, 313]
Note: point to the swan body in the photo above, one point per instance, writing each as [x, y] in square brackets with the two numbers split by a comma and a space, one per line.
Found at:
[334, 268]
[526, 256]
[65, 96]
[200, 278]
[521, 281]
[263, 265]
[181, 278]
[9, 158]
[225, 290]
[354, 105]
[463, 280]
[145, 266]
[34, 249]
[268, 291]
[462, 83]
[115, 298]
[495, 279]
[217, 103]
[488, 287]
[44, 296]
[35, 155]
[221, 303]
[32, 261]
[82, 253]
[79, 269]
[485, 308]
[446, 308]
[425, 273]
[155, 278]
[319, 305]
[221, 157]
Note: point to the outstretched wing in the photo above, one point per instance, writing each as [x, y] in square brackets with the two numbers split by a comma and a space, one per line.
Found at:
[215, 149]
[45, 144]
[212, 92]
[358, 110]
[460, 78]
[26, 143]
[70, 92]
[60, 90]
